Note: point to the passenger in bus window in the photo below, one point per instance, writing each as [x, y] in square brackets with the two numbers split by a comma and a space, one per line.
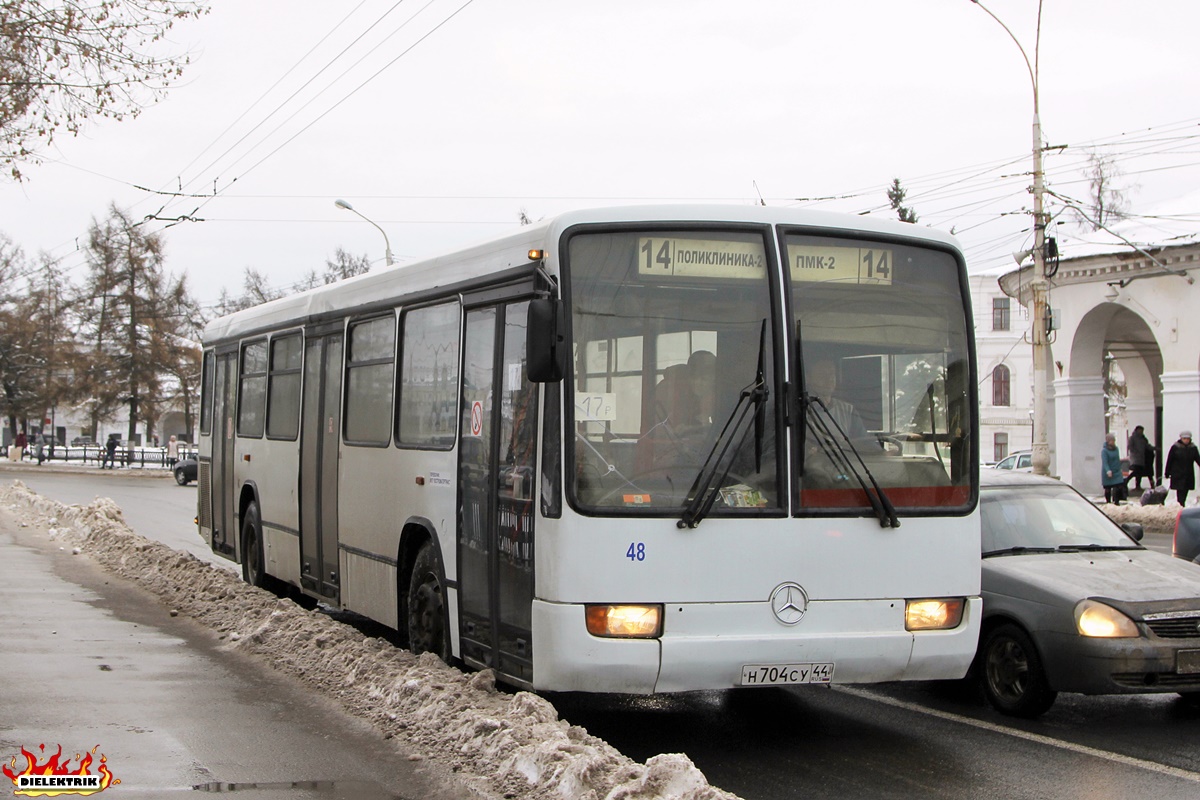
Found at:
[821, 382]
[683, 402]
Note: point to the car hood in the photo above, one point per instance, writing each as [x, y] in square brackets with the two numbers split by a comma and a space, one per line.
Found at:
[1124, 575]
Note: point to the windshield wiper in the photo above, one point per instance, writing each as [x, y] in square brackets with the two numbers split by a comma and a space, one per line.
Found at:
[1019, 550]
[704, 492]
[824, 425]
[1076, 548]
[880, 502]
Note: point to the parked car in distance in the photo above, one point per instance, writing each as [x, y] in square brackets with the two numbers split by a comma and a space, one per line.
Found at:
[81, 440]
[1187, 534]
[1022, 461]
[185, 470]
[1073, 603]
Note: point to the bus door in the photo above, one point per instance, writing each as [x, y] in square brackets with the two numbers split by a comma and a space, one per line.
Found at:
[224, 535]
[496, 475]
[320, 432]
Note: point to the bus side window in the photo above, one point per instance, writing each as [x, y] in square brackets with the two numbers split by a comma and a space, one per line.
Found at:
[426, 414]
[283, 387]
[252, 390]
[370, 357]
[206, 392]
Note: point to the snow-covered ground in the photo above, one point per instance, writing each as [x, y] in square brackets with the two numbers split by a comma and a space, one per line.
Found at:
[508, 745]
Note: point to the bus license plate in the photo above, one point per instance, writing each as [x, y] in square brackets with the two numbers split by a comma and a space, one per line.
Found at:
[1187, 662]
[783, 674]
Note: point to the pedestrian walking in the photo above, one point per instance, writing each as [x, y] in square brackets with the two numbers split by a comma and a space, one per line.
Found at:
[1180, 458]
[172, 451]
[21, 443]
[1110, 470]
[1141, 458]
[39, 448]
[110, 453]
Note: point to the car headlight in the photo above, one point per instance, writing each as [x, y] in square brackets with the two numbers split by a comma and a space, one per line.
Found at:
[933, 614]
[1105, 622]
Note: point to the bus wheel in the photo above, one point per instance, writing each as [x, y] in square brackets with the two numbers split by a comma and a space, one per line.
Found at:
[252, 549]
[428, 627]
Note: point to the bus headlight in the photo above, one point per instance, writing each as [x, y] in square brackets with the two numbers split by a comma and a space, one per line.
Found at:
[627, 622]
[1101, 621]
[933, 614]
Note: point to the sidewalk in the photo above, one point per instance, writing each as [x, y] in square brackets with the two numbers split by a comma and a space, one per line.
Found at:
[90, 661]
[79, 467]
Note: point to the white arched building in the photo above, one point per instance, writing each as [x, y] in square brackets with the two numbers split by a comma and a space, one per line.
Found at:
[1141, 307]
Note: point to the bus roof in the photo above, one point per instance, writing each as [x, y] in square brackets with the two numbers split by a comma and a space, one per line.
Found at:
[510, 251]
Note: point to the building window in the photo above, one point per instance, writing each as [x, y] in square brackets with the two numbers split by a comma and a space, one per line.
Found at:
[1000, 306]
[999, 446]
[1001, 386]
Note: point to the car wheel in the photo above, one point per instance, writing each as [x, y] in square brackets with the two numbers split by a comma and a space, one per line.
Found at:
[1012, 675]
[180, 478]
[428, 625]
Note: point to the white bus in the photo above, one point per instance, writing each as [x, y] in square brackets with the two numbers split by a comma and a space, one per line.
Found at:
[631, 450]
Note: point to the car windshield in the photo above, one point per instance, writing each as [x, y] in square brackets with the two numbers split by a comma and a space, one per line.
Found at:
[1017, 518]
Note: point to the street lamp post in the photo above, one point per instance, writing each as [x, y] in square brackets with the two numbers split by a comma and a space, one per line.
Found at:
[1040, 286]
[387, 244]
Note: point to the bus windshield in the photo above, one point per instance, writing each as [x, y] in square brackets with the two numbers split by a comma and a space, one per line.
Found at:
[881, 343]
[667, 330]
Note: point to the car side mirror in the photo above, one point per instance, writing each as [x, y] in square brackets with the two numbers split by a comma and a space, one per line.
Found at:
[1134, 529]
[545, 350]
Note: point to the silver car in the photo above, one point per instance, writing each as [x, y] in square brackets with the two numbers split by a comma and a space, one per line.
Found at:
[1073, 603]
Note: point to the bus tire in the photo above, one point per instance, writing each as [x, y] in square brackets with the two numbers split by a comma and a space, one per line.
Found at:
[252, 549]
[428, 622]
[1011, 673]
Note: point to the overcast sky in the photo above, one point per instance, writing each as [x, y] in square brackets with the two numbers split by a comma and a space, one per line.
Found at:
[442, 120]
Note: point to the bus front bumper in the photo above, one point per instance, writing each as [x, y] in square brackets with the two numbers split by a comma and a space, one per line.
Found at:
[708, 645]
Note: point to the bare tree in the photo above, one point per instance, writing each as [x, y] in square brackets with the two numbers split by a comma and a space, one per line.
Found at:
[130, 312]
[344, 265]
[1109, 201]
[63, 62]
[18, 355]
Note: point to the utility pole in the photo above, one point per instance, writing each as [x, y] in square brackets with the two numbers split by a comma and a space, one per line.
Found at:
[1040, 285]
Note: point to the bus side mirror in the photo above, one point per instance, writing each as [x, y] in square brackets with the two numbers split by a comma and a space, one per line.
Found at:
[545, 351]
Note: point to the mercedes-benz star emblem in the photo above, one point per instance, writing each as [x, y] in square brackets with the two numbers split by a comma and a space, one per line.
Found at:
[789, 602]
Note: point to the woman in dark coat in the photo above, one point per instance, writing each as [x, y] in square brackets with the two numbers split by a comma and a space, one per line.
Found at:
[1180, 458]
[1141, 457]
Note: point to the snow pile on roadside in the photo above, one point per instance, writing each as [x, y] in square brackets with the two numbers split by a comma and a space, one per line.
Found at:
[1153, 519]
[509, 745]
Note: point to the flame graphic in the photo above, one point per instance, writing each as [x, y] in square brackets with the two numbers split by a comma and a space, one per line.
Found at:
[55, 766]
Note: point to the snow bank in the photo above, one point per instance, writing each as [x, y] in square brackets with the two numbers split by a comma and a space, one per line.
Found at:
[1154, 519]
[508, 745]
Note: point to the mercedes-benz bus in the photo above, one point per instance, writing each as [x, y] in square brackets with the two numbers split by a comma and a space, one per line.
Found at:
[635, 450]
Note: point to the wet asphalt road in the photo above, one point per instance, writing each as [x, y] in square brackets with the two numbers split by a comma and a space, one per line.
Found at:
[893, 741]
[87, 660]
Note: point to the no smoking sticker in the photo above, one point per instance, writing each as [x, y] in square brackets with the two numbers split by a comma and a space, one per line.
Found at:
[477, 418]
